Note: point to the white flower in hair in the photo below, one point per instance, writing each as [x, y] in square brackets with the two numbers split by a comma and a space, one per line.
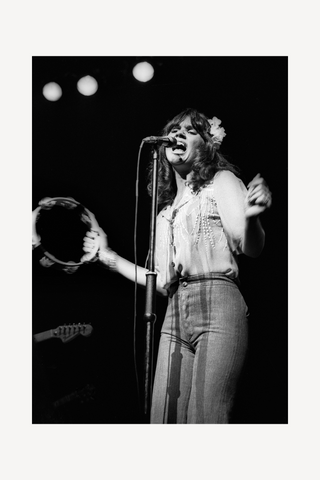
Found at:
[218, 133]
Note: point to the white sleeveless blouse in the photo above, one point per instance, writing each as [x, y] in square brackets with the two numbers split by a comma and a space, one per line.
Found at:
[204, 232]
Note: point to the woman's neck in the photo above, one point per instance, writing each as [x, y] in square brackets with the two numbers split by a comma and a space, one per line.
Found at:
[181, 182]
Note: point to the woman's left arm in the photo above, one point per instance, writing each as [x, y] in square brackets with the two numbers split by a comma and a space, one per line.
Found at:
[258, 200]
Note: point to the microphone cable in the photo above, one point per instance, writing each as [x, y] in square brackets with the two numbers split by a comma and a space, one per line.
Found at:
[136, 270]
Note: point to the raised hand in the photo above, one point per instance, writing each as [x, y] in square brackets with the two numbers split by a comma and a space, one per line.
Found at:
[94, 241]
[259, 197]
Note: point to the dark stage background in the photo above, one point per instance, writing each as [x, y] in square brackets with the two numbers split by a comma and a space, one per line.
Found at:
[87, 148]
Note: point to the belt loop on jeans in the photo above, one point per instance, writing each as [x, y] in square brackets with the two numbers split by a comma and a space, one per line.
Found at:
[184, 281]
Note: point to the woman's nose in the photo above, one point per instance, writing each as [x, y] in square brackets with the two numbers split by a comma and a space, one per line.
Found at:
[180, 133]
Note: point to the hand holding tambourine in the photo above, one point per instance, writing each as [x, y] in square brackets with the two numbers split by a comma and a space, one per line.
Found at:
[93, 242]
[62, 229]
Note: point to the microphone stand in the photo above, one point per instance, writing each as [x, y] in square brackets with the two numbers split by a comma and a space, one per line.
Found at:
[151, 283]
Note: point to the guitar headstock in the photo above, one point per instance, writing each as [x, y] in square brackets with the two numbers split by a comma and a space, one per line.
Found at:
[66, 333]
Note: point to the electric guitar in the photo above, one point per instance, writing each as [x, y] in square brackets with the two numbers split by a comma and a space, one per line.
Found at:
[66, 333]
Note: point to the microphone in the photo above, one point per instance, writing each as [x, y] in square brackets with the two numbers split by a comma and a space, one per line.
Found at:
[166, 141]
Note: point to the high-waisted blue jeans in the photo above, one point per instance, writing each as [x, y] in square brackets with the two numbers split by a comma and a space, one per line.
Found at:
[201, 352]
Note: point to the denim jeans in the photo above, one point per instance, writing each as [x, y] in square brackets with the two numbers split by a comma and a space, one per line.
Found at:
[201, 352]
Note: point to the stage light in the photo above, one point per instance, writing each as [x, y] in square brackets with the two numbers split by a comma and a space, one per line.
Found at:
[87, 85]
[143, 71]
[52, 91]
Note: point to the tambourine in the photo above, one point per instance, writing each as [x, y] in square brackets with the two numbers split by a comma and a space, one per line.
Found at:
[59, 226]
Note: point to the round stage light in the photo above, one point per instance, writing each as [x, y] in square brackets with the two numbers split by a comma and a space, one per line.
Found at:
[52, 91]
[87, 85]
[143, 71]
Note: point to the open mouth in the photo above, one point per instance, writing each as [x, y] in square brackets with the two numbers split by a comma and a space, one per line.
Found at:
[179, 147]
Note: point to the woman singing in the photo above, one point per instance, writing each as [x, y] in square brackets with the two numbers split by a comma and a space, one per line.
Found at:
[206, 219]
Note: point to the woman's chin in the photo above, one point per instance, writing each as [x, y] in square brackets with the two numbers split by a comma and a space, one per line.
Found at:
[177, 159]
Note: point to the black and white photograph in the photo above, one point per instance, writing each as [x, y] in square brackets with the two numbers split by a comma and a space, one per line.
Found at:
[159, 240]
[159, 236]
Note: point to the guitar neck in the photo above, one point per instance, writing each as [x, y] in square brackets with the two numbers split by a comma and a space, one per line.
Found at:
[66, 333]
[39, 337]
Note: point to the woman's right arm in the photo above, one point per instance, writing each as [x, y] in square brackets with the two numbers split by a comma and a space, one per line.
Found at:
[115, 262]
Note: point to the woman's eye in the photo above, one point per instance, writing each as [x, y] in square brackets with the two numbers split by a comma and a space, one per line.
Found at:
[192, 131]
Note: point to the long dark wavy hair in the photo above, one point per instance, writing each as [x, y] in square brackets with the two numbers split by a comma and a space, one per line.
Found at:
[207, 163]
